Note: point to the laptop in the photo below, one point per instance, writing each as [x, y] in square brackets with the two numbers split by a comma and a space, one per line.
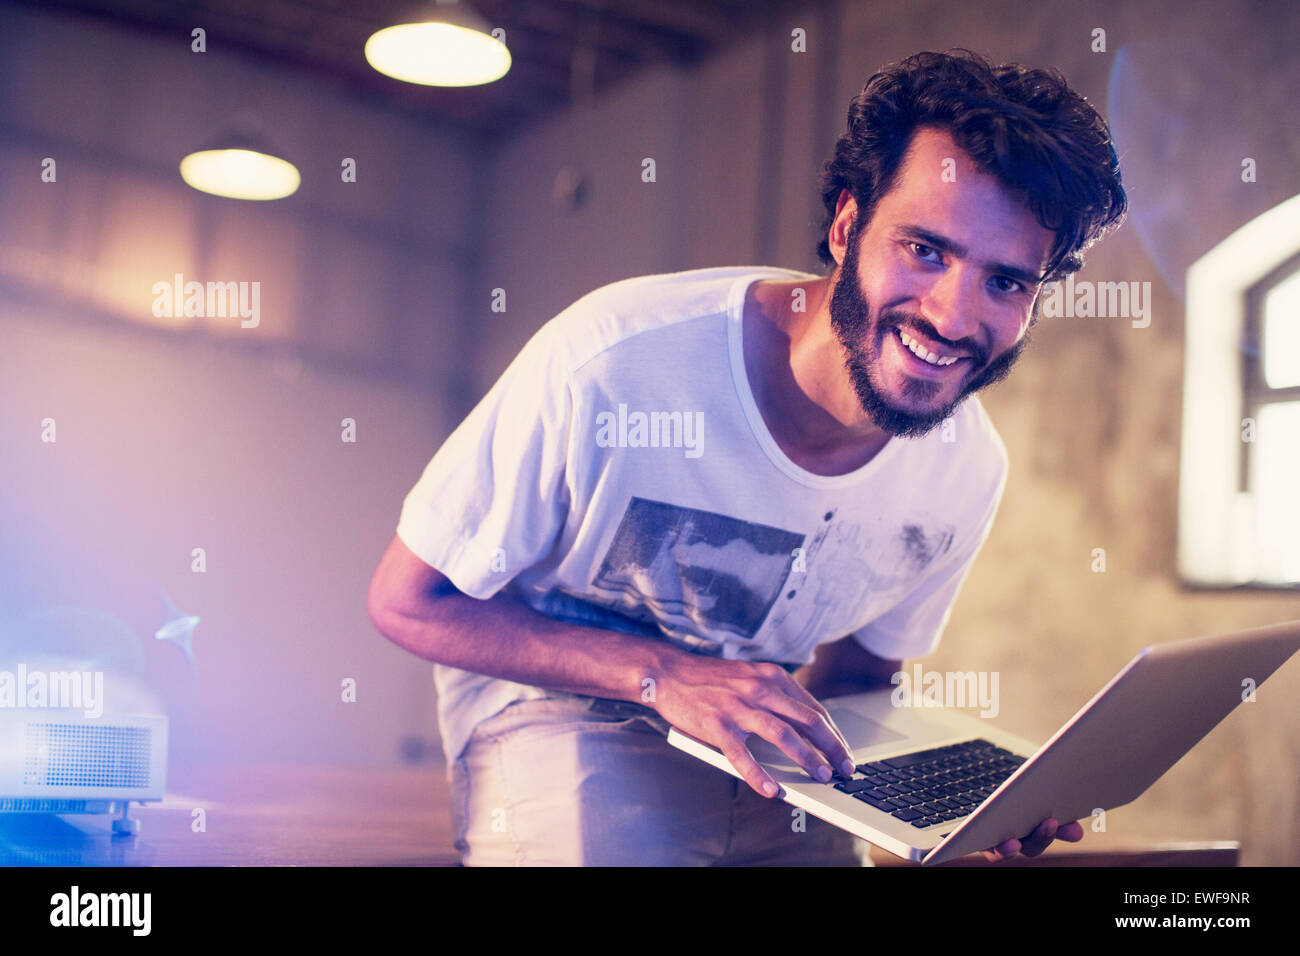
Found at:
[935, 784]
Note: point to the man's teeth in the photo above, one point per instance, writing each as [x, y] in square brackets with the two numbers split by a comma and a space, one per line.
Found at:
[920, 351]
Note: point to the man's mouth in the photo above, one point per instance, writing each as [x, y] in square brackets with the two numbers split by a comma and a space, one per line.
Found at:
[929, 359]
[931, 355]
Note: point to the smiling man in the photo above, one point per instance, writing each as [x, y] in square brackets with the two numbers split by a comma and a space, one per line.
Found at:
[964, 266]
[956, 270]
[579, 594]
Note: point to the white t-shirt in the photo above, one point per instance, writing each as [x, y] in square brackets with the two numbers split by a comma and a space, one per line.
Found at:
[619, 474]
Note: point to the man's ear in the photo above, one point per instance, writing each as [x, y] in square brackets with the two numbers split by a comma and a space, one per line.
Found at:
[846, 199]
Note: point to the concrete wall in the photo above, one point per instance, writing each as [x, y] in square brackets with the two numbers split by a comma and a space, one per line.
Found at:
[182, 434]
[1091, 416]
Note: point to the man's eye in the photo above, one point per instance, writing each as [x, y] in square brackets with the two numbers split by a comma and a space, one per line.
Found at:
[1014, 285]
[921, 251]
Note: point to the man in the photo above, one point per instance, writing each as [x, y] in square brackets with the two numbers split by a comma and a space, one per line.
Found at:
[688, 487]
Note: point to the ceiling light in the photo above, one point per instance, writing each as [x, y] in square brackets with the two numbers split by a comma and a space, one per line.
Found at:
[439, 45]
[239, 165]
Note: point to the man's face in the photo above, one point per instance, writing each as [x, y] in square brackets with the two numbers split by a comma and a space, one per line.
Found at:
[952, 267]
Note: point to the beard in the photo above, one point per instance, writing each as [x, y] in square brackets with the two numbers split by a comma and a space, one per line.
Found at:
[861, 339]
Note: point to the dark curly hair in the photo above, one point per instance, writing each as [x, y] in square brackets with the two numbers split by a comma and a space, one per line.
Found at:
[1025, 127]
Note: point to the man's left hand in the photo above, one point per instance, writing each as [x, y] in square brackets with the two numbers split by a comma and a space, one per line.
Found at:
[1036, 842]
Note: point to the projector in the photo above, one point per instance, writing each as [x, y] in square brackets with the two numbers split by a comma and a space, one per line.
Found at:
[61, 761]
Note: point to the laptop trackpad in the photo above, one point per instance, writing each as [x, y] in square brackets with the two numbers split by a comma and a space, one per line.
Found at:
[861, 733]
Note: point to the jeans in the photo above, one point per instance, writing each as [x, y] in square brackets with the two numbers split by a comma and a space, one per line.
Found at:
[578, 781]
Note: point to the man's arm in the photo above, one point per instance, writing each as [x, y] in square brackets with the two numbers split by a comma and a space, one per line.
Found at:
[416, 607]
[717, 701]
[845, 667]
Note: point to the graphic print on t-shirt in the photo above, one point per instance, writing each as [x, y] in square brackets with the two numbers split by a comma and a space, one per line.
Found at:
[877, 560]
[720, 573]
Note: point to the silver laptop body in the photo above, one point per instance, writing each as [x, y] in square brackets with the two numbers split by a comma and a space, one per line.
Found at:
[1119, 743]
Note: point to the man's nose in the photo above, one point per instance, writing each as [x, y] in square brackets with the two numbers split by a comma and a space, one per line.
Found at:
[951, 304]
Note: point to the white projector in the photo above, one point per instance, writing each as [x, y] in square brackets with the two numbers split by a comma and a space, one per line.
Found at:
[61, 761]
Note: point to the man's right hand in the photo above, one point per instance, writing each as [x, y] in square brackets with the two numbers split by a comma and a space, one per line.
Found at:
[721, 702]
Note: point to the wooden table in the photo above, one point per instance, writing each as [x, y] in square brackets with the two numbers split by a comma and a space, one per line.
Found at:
[258, 816]
[354, 816]
[1126, 852]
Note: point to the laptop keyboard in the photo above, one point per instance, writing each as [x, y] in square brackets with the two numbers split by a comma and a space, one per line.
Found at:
[933, 786]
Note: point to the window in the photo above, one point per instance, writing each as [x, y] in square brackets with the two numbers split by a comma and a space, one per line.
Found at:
[1239, 493]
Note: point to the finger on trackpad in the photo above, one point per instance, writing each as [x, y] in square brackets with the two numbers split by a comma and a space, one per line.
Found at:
[861, 732]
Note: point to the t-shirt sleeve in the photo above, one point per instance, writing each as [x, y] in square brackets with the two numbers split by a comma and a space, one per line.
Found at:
[493, 499]
[913, 627]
